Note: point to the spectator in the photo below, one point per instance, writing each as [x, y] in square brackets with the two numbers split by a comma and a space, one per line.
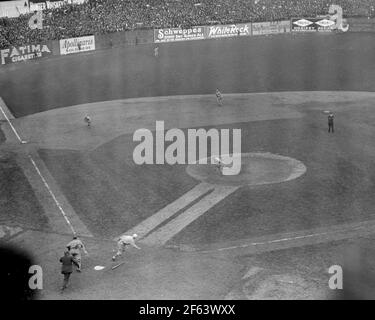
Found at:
[106, 16]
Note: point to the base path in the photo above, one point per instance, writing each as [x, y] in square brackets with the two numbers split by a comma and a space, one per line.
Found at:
[163, 234]
[166, 213]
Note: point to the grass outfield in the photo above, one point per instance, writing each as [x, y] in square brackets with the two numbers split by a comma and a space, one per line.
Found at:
[245, 64]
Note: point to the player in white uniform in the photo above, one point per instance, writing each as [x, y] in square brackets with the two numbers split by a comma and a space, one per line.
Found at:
[219, 164]
[156, 52]
[75, 246]
[219, 97]
[123, 242]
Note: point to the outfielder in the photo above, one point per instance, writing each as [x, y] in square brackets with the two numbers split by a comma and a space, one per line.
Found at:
[330, 122]
[123, 242]
[74, 248]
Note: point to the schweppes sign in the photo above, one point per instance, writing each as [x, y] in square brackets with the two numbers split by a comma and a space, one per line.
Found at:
[23, 53]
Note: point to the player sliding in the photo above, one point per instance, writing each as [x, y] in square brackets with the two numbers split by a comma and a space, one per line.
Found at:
[123, 242]
[219, 97]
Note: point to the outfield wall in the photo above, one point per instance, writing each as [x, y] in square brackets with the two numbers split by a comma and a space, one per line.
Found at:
[124, 38]
[361, 24]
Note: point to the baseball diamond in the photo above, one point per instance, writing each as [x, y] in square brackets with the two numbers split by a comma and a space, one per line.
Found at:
[302, 197]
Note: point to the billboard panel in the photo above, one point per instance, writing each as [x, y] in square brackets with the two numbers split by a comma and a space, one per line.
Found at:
[229, 30]
[75, 45]
[178, 34]
[22, 53]
[313, 25]
[259, 28]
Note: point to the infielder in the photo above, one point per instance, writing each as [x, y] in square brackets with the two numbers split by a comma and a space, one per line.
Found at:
[123, 242]
[74, 248]
[219, 97]
[88, 120]
[219, 164]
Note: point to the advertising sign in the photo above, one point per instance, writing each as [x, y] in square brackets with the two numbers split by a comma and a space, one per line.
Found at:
[178, 34]
[313, 25]
[259, 28]
[75, 45]
[229, 30]
[23, 53]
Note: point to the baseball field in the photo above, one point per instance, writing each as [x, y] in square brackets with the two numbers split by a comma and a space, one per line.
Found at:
[302, 198]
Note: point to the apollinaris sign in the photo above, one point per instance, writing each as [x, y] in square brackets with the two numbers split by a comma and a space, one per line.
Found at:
[75, 45]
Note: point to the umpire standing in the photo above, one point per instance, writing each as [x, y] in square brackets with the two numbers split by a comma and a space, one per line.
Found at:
[330, 123]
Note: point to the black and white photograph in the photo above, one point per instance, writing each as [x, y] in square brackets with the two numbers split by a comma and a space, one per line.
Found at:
[206, 151]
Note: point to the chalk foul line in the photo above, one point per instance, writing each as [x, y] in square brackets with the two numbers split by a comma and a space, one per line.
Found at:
[37, 169]
[338, 232]
[11, 125]
[52, 195]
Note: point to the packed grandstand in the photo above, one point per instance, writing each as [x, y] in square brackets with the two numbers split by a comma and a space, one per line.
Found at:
[106, 16]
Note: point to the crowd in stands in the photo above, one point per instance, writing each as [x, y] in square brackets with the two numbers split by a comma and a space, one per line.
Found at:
[106, 16]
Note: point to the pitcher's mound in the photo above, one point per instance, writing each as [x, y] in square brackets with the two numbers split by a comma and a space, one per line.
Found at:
[257, 168]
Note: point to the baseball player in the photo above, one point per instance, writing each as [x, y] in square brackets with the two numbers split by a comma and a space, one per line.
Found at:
[219, 164]
[74, 248]
[123, 242]
[88, 120]
[219, 97]
[156, 51]
[330, 122]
